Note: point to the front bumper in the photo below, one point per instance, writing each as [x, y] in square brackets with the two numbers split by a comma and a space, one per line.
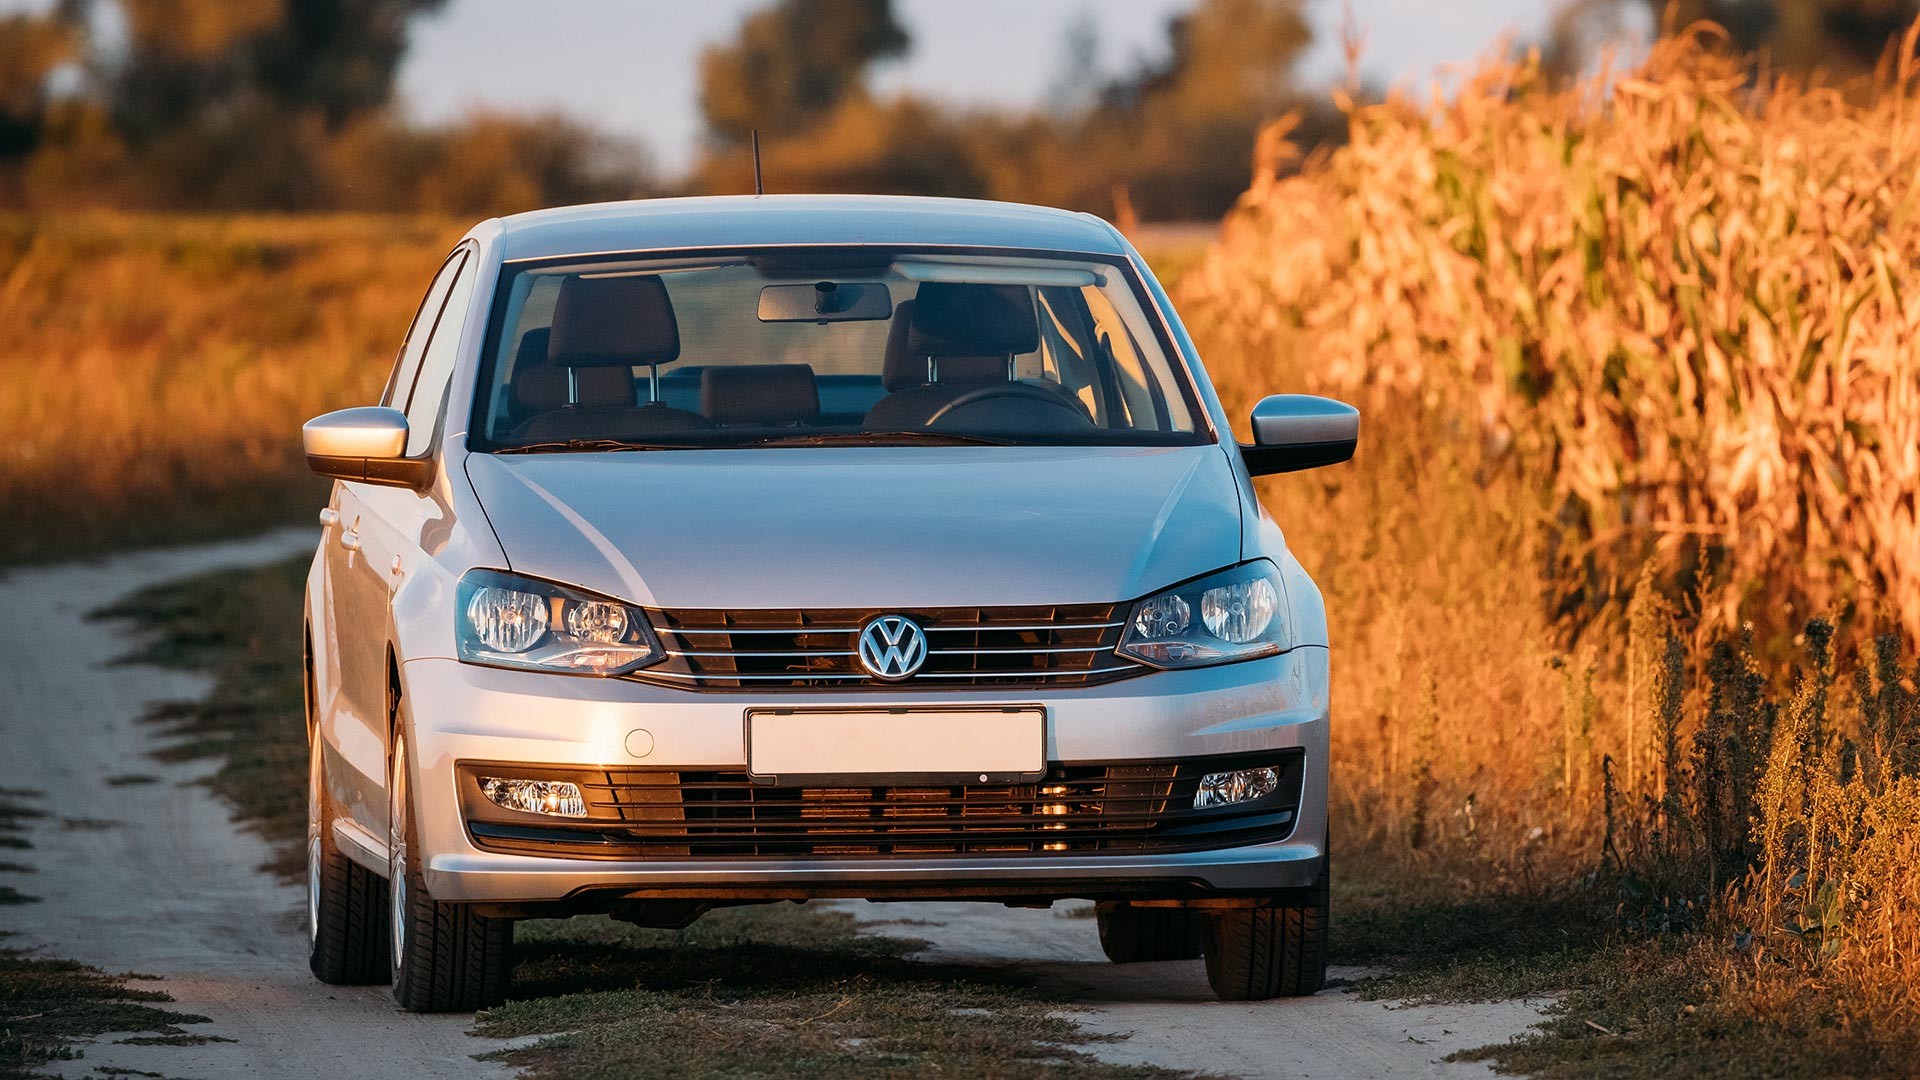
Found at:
[463, 713]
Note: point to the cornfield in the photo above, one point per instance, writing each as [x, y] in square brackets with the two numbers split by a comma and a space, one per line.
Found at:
[1621, 573]
[1684, 302]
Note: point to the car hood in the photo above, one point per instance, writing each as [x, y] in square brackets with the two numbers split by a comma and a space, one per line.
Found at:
[865, 527]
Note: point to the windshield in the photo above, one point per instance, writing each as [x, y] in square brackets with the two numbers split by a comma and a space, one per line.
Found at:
[812, 346]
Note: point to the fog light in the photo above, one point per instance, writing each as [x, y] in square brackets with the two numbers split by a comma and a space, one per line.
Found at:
[1227, 788]
[555, 797]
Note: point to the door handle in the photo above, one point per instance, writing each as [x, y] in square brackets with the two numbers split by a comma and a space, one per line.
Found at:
[350, 540]
[329, 517]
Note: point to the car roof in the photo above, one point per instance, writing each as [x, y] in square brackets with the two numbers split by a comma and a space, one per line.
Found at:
[763, 220]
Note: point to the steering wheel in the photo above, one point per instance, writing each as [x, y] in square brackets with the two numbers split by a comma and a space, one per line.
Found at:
[1022, 391]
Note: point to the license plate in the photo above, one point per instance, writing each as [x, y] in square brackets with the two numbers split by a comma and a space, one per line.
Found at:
[862, 747]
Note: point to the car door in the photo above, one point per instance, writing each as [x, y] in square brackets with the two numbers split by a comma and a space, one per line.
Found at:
[366, 540]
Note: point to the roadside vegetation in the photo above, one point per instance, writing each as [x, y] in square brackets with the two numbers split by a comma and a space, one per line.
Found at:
[1624, 572]
[151, 364]
[50, 1003]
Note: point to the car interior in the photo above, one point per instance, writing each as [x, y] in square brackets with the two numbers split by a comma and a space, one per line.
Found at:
[980, 358]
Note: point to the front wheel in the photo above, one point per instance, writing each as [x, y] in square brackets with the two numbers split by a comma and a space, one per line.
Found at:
[445, 957]
[1274, 951]
[346, 902]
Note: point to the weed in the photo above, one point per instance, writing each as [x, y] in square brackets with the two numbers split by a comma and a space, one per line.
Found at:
[48, 1003]
[778, 991]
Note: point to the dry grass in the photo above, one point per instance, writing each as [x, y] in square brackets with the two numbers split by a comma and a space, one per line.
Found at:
[1638, 367]
[1681, 303]
[154, 372]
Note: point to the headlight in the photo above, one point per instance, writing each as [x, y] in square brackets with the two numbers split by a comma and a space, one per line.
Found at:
[1237, 614]
[510, 621]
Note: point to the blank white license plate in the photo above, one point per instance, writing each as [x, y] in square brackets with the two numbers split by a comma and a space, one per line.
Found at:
[899, 746]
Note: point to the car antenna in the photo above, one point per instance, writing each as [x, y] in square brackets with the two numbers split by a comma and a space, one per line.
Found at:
[758, 188]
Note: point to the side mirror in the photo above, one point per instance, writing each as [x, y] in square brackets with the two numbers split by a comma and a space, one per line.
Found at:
[1299, 431]
[364, 444]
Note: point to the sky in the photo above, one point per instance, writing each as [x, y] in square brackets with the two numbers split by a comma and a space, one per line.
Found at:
[631, 66]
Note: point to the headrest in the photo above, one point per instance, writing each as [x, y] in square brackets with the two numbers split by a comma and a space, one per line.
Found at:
[544, 387]
[952, 318]
[766, 394]
[613, 321]
[533, 348]
[958, 319]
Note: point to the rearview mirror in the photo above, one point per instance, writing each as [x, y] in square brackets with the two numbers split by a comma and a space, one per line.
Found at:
[826, 301]
[364, 444]
[1299, 431]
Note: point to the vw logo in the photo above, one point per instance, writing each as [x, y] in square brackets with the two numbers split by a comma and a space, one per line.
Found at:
[892, 647]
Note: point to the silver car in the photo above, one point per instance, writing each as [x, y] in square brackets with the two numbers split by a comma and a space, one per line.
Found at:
[706, 552]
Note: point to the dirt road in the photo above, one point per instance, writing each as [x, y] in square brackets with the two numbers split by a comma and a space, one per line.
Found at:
[1168, 1016]
[155, 878]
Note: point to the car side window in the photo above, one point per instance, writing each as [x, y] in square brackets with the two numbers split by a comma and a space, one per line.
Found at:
[407, 364]
[436, 363]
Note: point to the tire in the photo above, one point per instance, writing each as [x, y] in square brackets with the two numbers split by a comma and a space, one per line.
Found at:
[445, 957]
[1131, 935]
[1276, 951]
[346, 902]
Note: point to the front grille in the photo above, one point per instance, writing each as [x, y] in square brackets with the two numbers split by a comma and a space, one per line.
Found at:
[1118, 807]
[815, 649]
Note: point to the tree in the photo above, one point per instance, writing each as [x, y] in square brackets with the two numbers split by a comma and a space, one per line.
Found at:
[1178, 133]
[1840, 38]
[792, 63]
[188, 62]
[32, 47]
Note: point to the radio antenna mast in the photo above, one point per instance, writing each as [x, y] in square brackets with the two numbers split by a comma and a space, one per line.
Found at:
[758, 188]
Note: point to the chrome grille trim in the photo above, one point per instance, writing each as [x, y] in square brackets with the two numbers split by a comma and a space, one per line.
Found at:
[1019, 629]
[769, 630]
[654, 673]
[750, 653]
[1017, 674]
[1017, 652]
[1040, 645]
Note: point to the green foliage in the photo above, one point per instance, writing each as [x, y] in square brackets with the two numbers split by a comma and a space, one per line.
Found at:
[1169, 139]
[186, 63]
[32, 46]
[792, 62]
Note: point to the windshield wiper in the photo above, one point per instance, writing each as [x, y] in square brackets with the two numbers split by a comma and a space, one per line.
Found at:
[867, 438]
[567, 446]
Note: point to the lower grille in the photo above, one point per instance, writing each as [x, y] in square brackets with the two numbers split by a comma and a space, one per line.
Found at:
[1076, 808]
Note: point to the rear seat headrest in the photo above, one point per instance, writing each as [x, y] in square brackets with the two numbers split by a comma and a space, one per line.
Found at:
[765, 394]
[544, 387]
[982, 324]
[613, 321]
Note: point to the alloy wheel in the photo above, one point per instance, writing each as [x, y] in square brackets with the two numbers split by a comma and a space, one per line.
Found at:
[397, 850]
